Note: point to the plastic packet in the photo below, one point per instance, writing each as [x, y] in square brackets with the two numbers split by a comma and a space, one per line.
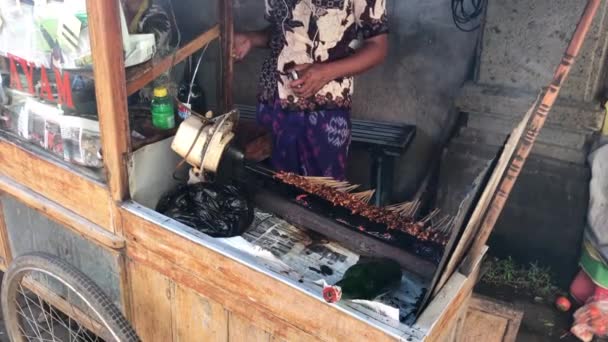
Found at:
[591, 320]
[214, 209]
[46, 34]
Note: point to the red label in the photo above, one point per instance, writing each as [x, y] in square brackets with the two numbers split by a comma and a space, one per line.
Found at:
[20, 66]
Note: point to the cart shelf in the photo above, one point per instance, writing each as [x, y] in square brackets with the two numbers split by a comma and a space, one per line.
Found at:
[141, 75]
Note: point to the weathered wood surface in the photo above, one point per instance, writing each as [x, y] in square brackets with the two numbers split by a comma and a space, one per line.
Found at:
[173, 311]
[490, 320]
[109, 71]
[199, 318]
[141, 75]
[244, 330]
[56, 182]
[5, 248]
[484, 327]
[442, 312]
[153, 294]
[453, 332]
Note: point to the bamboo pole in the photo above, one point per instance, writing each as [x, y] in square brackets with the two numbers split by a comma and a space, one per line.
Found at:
[533, 129]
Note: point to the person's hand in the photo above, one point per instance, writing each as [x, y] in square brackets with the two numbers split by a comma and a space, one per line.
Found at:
[241, 46]
[312, 77]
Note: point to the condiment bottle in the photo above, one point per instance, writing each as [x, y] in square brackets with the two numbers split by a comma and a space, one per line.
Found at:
[163, 114]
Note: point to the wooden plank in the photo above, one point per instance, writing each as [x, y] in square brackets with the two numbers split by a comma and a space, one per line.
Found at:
[459, 325]
[454, 328]
[243, 330]
[444, 309]
[140, 76]
[57, 183]
[152, 296]
[272, 322]
[275, 338]
[536, 124]
[274, 306]
[507, 311]
[227, 36]
[198, 318]
[469, 233]
[56, 212]
[483, 327]
[109, 72]
[5, 248]
[125, 287]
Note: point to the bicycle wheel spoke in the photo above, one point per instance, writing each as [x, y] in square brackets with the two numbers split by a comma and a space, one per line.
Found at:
[32, 321]
[49, 300]
[35, 321]
[38, 339]
[69, 329]
[44, 314]
[51, 326]
[34, 327]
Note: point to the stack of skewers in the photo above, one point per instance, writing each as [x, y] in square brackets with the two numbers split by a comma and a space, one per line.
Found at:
[399, 218]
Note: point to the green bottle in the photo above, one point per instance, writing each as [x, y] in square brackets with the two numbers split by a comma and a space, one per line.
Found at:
[366, 280]
[163, 114]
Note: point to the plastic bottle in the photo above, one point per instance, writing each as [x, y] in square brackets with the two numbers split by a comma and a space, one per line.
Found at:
[163, 114]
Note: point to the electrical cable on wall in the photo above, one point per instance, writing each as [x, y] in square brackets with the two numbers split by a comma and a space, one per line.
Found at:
[198, 64]
[465, 12]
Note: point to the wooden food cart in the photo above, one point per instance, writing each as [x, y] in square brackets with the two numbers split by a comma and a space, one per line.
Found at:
[170, 281]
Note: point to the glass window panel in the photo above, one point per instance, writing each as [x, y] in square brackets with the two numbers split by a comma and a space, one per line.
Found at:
[48, 91]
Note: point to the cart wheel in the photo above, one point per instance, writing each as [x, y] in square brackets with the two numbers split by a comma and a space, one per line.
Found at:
[47, 299]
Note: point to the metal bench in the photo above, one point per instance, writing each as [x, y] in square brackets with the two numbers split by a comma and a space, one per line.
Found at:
[384, 141]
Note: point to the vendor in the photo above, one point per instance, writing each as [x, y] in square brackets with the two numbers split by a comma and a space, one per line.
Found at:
[309, 115]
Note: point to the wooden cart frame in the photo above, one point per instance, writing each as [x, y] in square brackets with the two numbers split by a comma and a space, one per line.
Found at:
[175, 286]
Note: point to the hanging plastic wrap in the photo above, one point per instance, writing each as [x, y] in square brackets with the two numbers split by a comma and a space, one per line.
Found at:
[214, 209]
[47, 34]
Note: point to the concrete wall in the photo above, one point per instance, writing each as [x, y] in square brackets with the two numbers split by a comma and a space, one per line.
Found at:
[428, 61]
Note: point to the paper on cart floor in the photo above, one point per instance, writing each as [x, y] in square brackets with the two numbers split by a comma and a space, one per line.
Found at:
[306, 257]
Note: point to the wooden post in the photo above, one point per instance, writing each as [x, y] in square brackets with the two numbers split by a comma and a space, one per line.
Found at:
[534, 127]
[5, 246]
[109, 72]
[227, 36]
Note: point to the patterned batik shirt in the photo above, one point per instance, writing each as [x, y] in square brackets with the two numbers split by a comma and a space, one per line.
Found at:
[316, 31]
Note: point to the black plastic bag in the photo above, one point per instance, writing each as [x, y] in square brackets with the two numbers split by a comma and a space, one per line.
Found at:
[214, 209]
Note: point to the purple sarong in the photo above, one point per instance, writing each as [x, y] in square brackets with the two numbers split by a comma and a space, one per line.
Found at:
[309, 143]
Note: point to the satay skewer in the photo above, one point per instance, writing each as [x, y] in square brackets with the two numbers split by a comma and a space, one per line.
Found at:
[364, 196]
